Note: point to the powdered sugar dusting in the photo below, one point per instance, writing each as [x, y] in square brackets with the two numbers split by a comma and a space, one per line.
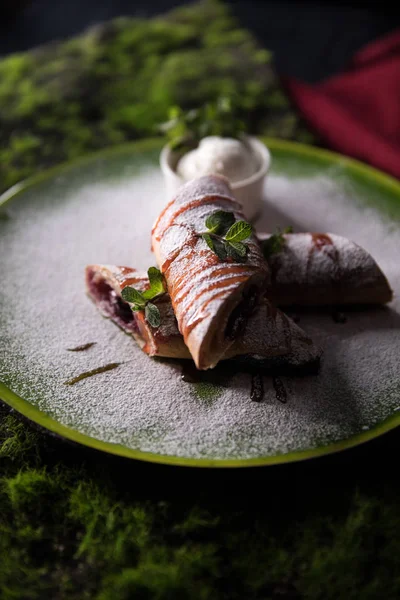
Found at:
[312, 263]
[325, 268]
[58, 227]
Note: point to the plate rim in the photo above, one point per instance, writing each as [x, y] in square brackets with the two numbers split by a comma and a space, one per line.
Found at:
[44, 420]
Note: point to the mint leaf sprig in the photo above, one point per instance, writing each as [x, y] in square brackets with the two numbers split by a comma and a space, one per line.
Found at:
[225, 236]
[141, 300]
[275, 242]
[185, 129]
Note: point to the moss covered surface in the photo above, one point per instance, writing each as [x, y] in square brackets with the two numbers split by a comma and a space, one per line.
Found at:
[78, 524]
[116, 82]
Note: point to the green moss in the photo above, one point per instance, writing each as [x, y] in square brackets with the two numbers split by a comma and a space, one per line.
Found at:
[28, 486]
[110, 531]
[167, 575]
[80, 531]
[18, 443]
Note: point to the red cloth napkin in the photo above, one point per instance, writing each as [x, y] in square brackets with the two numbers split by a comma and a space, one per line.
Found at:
[358, 112]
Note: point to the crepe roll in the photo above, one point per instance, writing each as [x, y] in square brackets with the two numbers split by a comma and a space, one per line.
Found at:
[269, 333]
[104, 284]
[212, 297]
[324, 269]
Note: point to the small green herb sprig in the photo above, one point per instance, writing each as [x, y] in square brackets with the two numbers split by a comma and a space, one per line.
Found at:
[225, 236]
[141, 300]
[275, 242]
[184, 130]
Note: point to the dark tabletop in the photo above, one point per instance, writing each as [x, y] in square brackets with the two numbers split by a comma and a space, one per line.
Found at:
[311, 40]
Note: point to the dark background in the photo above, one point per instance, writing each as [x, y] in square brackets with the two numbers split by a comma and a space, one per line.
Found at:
[311, 40]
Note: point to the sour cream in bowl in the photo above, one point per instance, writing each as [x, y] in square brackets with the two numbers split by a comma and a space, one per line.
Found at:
[244, 162]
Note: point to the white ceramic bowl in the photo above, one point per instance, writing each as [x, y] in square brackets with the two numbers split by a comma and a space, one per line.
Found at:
[248, 192]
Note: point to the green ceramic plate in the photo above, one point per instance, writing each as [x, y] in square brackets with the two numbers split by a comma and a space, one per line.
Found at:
[100, 210]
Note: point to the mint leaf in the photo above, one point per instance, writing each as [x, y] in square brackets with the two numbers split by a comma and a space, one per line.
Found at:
[237, 248]
[185, 129]
[220, 249]
[156, 284]
[220, 221]
[149, 294]
[152, 315]
[208, 240]
[216, 245]
[272, 245]
[140, 301]
[132, 296]
[275, 242]
[239, 231]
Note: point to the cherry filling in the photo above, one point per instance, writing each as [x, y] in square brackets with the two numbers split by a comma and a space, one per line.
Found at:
[240, 315]
[111, 304]
[122, 309]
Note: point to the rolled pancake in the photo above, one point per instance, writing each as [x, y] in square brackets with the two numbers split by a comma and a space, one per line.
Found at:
[212, 299]
[104, 284]
[324, 269]
[269, 333]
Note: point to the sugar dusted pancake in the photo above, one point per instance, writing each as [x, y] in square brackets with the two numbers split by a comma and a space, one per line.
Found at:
[268, 333]
[324, 269]
[104, 284]
[212, 298]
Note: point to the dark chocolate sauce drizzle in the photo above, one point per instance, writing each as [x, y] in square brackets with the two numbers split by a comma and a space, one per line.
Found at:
[223, 373]
[240, 315]
[82, 347]
[281, 394]
[257, 387]
[108, 367]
